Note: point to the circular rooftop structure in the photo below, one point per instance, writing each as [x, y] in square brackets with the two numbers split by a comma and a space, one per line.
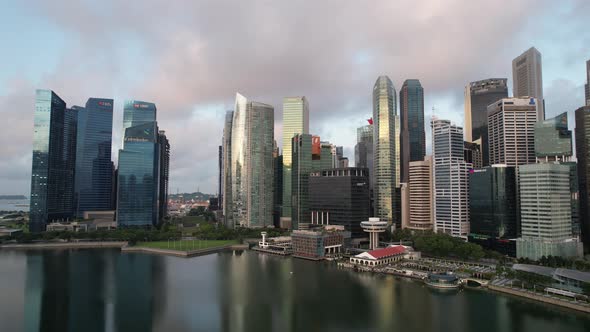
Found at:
[374, 225]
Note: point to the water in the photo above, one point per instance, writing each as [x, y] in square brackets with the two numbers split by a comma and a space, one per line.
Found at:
[14, 205]
[104, 290]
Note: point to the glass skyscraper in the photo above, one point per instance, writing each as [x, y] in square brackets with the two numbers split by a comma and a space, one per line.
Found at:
[164, 173]
[54, 161]
[302, 166]
[138, 173]
[553, 140]
[94, 169]
[412, 138]
[252, 137]
[227, 188]
[583, 156]
[363, 150]
[384, 112]
[295, 121]
[478, 96]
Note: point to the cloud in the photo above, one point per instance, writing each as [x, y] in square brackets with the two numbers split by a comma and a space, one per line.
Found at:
[191, 57]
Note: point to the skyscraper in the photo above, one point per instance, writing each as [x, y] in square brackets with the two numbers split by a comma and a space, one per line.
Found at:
[295, 121]
[583, 156]
[511, 131]
[478, 96]
[251, 167]
[220, 178]
[363, 150]
[227, 185]
[527, 77]
[278, 186]
[472, 153]
[54, 161]
[451, 179]
[302, 166]
[384, 112]
[94, 169]
[164, 170]
[412, 138]
[420, 195]
[137, 112]
[587, 86]
[553, 140]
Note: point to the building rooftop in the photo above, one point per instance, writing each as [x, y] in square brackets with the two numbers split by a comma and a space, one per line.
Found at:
[542, 270]
[381, 253]
[573, 274]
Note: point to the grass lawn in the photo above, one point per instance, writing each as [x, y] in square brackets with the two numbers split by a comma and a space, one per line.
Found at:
[186, 244]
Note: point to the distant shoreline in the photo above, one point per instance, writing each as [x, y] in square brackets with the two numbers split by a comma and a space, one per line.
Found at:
[13, 197]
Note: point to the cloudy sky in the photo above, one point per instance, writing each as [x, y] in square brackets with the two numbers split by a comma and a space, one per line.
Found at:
[191, 57]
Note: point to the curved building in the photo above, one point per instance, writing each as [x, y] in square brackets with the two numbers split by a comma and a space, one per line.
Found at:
[251, 168]
[384, 140]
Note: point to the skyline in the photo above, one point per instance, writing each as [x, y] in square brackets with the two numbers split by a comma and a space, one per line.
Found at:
[192, 79]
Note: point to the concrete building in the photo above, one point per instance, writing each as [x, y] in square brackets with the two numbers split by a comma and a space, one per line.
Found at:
[363, 150]
[374, 226]
[295, 121]
[583, 155]
[340, 196]
[451, 180]
[478, 95]
[320, 243]
[384, 256]
[511, 131]
[420, 195]
[527, 78]
[472, 153]
[252, 138]
[412, 133]
[385, 143]
[545, 210]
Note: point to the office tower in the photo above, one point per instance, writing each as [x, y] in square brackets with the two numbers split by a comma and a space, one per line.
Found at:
[54, 161]
[326, 156]
[340, 196]
[384, 112]
[412, 137]
[363, 150]
[527, 78]
[420, 195]
[478, 96]
[251, 167]
[343, 162]
[587, 86]
[139, 163]
[397, 154]
[295, 121]
[511, 131]
[302, 166]
[164, 169]
[451, 179]
[94, 173]
[220, 177]
[472, 153]
[546, 223]
[227, 186]
[583, 155]
[493, 209]
[278, 190]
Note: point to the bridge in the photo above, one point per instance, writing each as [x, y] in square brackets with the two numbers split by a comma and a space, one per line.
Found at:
[481, 282]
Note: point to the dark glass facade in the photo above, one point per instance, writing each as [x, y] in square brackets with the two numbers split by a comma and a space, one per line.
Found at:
[492, 205]
[341, 196]
[94, 173]
[278, 191]
[164, 169]
[54, 158]
[138, 112]
[302, 166]
[472, 153]
[138, 177]
[552, 138]
[413, 137]
[481, 94]
[583, 156]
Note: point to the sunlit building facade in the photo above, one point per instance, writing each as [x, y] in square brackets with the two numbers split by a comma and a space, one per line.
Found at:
[527, 78]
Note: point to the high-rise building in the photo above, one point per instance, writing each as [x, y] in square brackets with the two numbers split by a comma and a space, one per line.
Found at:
[397, 158]
[251, 167]
[278, 190]
[94, 172]
[527, 78]
[493, 209]
[511, 131]
[302, 166]
[478, 96]
[54, 161]
[583, 156]
[451, 179]
[164, 173]
[412, 137]
[139, 178]
[295, 121]
[545, 201]
[384, 112]
[553, 140]
[420, 195]
[472, 153]
[227, 164]
[137, 112]
[220, 177]
[363, 150]
[340, 196]
[587, 86]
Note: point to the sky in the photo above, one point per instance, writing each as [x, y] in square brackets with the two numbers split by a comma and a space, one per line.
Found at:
[191, 57]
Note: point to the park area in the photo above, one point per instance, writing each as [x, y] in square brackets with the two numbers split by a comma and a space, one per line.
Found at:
[186, 245]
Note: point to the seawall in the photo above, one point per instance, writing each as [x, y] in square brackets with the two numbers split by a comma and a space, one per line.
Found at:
[540, 298]
[65, 245]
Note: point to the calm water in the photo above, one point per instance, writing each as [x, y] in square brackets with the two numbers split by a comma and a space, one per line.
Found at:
[104, 290]
[14, 205]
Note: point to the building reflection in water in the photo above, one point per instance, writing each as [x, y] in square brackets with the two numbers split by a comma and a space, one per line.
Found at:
[92, 290]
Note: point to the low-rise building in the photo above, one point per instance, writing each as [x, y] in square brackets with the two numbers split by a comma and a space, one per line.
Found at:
[565, 279]
[384, 256]
[319, 243]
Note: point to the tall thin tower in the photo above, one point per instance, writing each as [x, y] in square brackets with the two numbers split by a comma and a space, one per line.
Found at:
[527, 76]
